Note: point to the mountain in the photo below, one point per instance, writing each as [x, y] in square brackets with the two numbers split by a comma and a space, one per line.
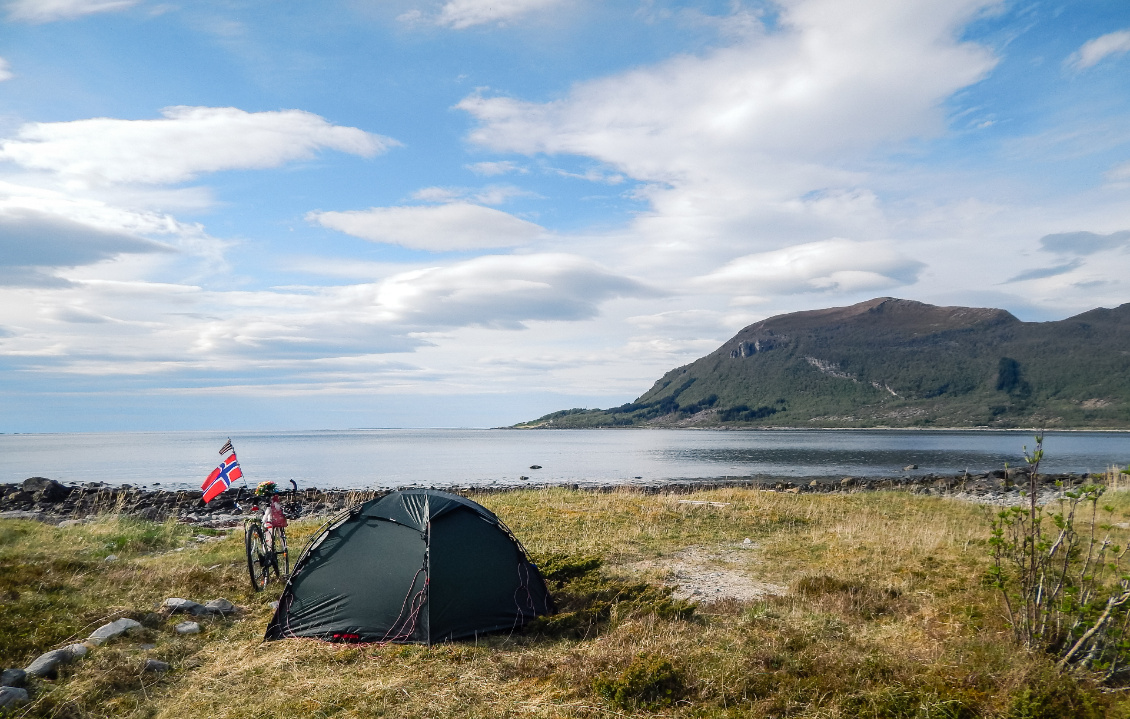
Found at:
[894, 363]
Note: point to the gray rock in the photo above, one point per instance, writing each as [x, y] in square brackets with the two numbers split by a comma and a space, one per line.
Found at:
[115, 628]
[69, 523]
[111, 558]
[156, 666]
[47, 664]
[13, 678]
[273, 605]
[176, 605]
[45, 490]
[188, 628]
[909, 467]
[220, 606]
[12, 697]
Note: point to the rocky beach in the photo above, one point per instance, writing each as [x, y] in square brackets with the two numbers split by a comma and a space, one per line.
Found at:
[52, 501]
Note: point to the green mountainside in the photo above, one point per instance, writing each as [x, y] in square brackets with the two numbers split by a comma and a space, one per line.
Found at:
[894, 363]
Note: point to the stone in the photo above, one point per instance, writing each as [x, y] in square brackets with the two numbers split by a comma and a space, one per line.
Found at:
[152, 620]
[535, 466]
[847, 481]
[273, 605]
[220, 606]
[13, 678]
[69, 523]
[156, 666]
[909, 467]
[188, 628]
[176, 605]
[47, 664]
[12, 697]
[45, 490]
[115, 628]
[747, 540]
[111, 558]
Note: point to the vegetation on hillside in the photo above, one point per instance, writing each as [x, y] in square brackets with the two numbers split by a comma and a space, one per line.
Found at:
[894, 363]
[889, 610]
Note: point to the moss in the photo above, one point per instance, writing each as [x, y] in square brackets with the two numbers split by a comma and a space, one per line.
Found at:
[649, 682]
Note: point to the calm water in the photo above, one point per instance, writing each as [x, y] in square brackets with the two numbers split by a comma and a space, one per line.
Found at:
[389, 458]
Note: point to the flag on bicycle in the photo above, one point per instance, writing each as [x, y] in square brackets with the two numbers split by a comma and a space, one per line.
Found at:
[221, 477]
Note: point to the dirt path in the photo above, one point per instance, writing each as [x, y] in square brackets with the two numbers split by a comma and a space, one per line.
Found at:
[703, 574]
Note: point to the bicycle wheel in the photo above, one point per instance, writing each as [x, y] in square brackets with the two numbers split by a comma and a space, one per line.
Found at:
[259, 559]
[282, 555]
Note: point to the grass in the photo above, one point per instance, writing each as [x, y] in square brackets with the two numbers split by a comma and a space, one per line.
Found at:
[887, 615]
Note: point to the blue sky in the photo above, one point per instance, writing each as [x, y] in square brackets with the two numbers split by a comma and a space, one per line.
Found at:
[240, 214]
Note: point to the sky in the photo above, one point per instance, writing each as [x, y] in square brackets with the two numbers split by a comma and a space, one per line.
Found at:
[242, 214]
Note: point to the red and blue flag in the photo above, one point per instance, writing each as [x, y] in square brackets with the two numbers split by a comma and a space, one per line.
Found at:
[221, 477]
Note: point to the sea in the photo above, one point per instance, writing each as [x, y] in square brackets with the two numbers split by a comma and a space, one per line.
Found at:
[386, 458]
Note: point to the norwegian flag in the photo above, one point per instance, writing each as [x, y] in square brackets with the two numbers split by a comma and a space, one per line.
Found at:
[221, 477]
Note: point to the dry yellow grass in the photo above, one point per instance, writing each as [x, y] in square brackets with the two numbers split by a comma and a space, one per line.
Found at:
[886, 616]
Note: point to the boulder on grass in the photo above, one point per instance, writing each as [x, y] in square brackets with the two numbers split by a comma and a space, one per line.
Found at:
[47, 665]
[115, 628]
[220, 606]
[176, 605]
[12, 697]
[13, 678]
[188, 628]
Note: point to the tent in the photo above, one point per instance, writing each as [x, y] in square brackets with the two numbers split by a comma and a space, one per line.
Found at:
[415, 565]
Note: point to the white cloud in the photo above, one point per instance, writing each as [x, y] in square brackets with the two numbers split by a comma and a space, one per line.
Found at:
[5, 70]
[835, 265]
[1119, 172]
[187, 142]
[1094, 51]
[461, 14]
[758, 144]
[837, 77]
[490, 169]
[39, 11]
[439, 228]
[490, 195]
[504, 291]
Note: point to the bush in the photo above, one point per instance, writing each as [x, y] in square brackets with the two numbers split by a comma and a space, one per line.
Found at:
[1066, 587]
[1051, 695]
[649, 682]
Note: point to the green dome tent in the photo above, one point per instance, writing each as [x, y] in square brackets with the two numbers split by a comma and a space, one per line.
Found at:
[413, 566]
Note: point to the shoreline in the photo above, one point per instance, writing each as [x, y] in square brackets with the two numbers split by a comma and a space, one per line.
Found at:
[47, 500]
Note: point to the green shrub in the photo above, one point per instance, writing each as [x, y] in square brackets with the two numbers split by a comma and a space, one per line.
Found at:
[1054, 696]
[649, 682]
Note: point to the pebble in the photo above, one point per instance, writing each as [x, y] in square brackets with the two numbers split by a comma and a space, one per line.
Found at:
[156, 666]
[188, 628]
[111, 558]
